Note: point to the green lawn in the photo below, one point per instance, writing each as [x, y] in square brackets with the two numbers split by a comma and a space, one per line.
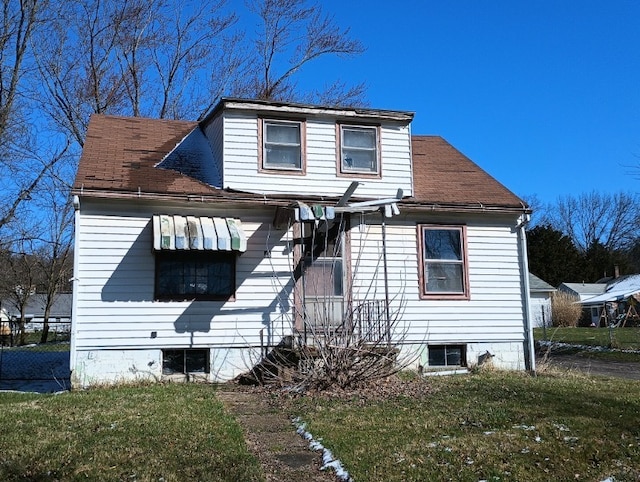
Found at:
[482, 426]
[488, 426]
[157, 432]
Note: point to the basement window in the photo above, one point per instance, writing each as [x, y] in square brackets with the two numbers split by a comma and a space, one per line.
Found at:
[447, 355]
[185, 361]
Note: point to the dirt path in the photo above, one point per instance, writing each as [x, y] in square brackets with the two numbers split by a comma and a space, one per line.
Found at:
[593, 366]
[272, 438]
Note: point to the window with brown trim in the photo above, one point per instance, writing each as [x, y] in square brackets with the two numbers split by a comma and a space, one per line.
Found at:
[443, 262]
[359, 149]
[282, 145]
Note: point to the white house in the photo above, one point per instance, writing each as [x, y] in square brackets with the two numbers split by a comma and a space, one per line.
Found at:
[540, 293]
[620, 298]
[197, 242]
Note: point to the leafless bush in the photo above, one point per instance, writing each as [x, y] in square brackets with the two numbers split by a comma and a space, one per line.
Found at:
[565, 311]
[339, 340]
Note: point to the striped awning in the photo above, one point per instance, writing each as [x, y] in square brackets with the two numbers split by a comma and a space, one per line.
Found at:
[173, 232]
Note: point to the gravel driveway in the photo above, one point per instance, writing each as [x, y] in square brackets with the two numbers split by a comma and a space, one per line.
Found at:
[592, 366]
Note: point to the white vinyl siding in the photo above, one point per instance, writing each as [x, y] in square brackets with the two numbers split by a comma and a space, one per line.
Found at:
[494, 311]
[321, 178]
[115, 300]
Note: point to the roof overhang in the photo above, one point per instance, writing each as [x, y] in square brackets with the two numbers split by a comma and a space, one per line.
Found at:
[280, 108]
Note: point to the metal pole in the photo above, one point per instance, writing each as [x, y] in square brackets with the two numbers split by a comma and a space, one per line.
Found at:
[386, 279]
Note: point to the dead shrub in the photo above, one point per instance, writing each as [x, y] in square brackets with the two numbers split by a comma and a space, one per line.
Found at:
[564, 309]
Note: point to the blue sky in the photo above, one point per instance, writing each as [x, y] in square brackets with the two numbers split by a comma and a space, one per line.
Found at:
[544, 95]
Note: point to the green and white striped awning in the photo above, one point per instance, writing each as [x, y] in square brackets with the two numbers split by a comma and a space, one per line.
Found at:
[173, 232]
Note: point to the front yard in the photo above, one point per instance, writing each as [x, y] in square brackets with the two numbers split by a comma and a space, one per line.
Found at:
[481, 426]
[491, 426]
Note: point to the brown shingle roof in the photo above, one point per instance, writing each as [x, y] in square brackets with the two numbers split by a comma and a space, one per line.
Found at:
[120, 154]
[443, 175]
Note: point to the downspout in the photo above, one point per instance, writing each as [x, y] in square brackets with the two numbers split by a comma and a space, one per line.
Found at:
[74, 295]
[529, 351]
[386, 278]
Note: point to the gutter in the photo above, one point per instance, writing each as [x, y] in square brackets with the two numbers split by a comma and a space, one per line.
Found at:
[264, 199]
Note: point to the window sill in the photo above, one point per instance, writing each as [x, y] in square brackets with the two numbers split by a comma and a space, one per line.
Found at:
[444, 296]
[282, 171]
[360, 174]
[443, 371]
[174, 299]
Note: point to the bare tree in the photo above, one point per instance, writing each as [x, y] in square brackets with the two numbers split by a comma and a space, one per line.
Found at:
[53, 253]
[18, 22]
[612, 220]
[18, 283]
[138, 57]
[25, 158]
[292, 34]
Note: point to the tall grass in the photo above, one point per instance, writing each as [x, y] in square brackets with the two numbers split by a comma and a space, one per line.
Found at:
[564, 309]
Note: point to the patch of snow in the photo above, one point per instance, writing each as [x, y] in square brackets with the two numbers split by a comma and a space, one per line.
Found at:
[328, 460]
[525, 427]
[556, 345]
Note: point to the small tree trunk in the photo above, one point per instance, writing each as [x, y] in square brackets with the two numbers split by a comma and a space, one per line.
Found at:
[45, 331]
[45, 323]
[22, 335]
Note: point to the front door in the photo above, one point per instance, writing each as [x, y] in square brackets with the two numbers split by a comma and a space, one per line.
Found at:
[323, 280]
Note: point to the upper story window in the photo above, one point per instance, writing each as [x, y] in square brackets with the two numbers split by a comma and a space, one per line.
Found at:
[359, 149]
[443, 267]
[282, 145]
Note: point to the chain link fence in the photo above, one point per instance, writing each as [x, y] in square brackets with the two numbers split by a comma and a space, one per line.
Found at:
[33, 361]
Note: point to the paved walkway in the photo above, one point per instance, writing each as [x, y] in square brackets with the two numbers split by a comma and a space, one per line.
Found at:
[272, 438]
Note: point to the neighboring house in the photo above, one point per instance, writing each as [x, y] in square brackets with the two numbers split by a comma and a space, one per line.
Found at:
[200, 244]
[583, 291]
[620, 299]
[59, 314]
[540, 292]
